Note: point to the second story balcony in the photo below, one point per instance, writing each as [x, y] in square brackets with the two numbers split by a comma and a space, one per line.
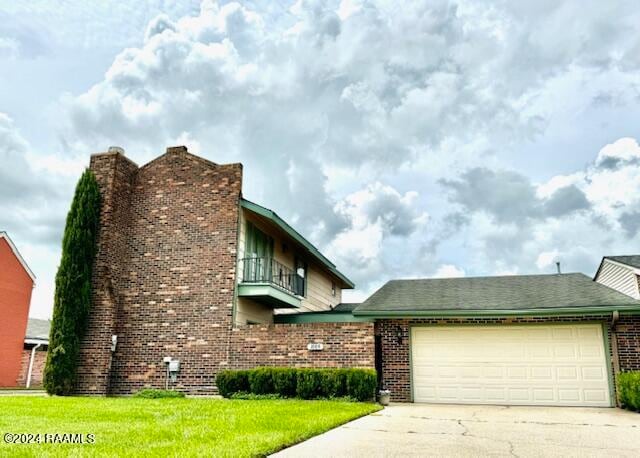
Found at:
[268, 281]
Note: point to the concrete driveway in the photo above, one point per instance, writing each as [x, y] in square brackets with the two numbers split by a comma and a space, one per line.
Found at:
[454, 430]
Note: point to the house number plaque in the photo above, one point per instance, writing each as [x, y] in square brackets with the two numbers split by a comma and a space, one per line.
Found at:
[315, 346]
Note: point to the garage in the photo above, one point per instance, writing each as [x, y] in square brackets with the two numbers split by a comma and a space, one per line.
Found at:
[551, 365]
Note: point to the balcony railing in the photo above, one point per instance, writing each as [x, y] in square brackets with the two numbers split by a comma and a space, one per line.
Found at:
[268, 270]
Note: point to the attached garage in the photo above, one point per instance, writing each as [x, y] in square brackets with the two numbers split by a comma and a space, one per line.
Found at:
[547, 340]
[561, 365]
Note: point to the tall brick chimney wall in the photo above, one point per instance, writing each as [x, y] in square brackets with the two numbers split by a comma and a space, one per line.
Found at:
[115, 175]
[164, 275]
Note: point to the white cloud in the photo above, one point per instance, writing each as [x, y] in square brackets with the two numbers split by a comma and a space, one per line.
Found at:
[34, 199]
[575, 218]
[349, 115]
[373, 215]
[448, 271]
[546, 258]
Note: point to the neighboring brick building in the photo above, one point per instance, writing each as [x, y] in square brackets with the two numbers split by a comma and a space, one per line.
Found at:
[16, 286]
[189, 271]
[34, 353]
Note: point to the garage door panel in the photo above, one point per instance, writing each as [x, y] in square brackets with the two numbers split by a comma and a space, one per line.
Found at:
[593, 373]
[590, 351]
[567, 373]
[525, 365]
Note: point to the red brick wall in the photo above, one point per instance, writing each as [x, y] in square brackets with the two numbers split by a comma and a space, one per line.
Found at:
[345, 345]
[15, 297]
[165, 273]
[628, 338]
[115, 175]
[37, 373]
[395, 354]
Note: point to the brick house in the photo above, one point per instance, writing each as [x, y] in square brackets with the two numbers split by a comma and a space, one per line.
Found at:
[187, 270]
[16, 285]
[191, 278]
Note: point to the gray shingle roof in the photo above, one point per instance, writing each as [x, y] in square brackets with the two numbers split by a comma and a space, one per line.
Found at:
[631, 260]
[345, 307]
[506, 293]
[38, 329]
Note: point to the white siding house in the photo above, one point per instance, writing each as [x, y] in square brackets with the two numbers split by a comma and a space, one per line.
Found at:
[621, 273]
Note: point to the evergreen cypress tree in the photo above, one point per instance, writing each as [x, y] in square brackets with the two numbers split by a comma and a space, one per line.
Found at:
[72, 298]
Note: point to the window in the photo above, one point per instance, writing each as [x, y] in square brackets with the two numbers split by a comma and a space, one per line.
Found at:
[258, 255]
[333, 288]
[301, 274]
[258, 244]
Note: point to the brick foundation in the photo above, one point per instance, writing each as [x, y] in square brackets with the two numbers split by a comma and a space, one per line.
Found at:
[395, 350]
[345, 345]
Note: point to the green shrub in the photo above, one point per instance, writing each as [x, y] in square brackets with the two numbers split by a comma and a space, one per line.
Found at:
[72, 298]
[284, 381]
[309, 384]
[361, 384]
[229, 382]
[629, 390]
[150, 393]
[255, 397]
[261, 380]
[334, 383]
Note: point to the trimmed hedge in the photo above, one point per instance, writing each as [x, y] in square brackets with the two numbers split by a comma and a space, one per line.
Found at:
[150, 393]
[629, 390]
[358, 384]
[230, 382]
[284, 381]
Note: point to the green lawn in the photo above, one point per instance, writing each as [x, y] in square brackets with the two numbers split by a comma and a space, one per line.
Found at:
[170, 427]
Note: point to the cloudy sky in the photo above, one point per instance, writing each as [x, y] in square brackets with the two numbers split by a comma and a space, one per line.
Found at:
[437, 139]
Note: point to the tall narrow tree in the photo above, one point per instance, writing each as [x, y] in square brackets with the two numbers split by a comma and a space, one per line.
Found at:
[72, 299]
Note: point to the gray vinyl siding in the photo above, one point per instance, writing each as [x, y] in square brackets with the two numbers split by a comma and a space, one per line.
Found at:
[619, 278]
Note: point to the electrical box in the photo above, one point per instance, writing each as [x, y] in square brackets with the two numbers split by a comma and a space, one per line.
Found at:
[174, 368]
[174, 365]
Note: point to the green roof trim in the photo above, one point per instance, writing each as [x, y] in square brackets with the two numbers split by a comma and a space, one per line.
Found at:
[268, 293]
[282, 224]
[320, 317]
[495, 296]
[563, 311]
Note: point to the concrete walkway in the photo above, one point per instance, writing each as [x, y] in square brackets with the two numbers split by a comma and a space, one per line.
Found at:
[451, 430]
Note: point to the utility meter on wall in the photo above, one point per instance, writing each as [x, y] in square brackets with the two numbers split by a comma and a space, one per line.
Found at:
[174, 368]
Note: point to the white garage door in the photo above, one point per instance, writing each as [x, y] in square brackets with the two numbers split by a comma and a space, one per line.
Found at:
[512, 365]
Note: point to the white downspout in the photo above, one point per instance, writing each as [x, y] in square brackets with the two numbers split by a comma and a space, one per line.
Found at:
[33, 356]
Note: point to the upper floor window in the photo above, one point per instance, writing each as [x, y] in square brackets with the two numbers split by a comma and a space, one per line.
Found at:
[258, 244]
[333, 288]
[258, 255]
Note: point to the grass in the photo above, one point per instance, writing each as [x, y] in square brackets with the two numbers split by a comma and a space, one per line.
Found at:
[170, 427]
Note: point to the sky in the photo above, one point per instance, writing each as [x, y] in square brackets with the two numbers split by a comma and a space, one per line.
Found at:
[421, 139]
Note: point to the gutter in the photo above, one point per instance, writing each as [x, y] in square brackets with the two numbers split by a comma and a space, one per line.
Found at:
[615, 316]
[497, 313]
[31, 358]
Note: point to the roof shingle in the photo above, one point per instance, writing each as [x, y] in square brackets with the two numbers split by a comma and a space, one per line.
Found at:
[505, 293]
[630, 260]
[38, 329]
